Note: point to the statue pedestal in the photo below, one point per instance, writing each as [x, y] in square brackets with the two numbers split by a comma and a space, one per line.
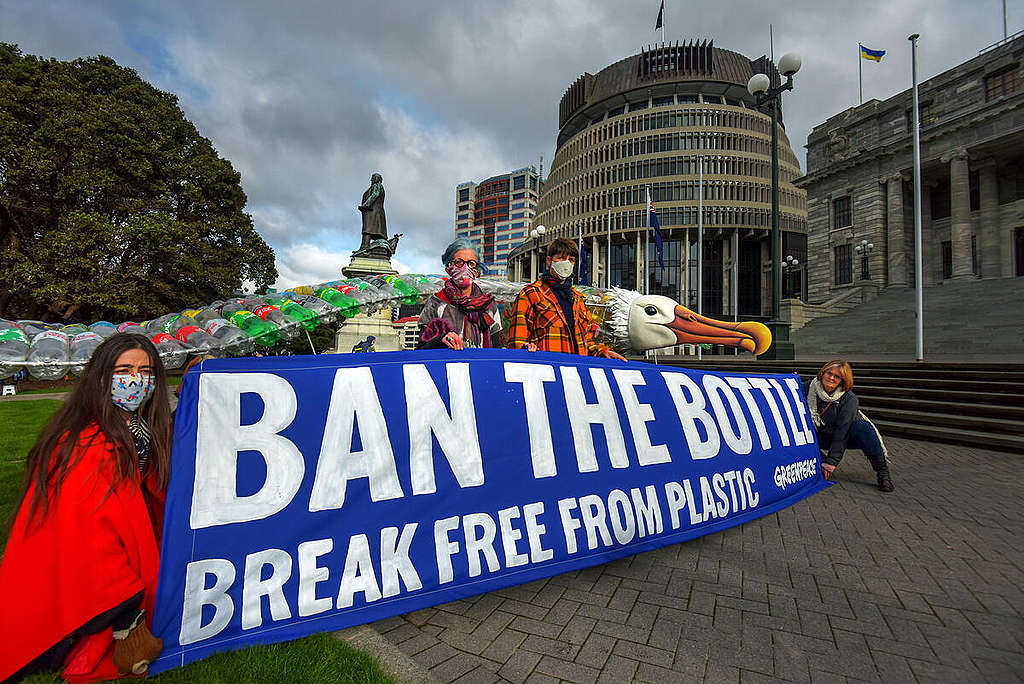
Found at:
[356, 329]
[362, 267]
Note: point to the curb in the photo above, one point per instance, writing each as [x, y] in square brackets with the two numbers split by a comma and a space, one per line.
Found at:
[396, 664]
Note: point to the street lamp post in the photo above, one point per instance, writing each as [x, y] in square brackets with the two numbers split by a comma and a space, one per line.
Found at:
[792, 265]
[864, 248]
[760, 86]
[535, 233]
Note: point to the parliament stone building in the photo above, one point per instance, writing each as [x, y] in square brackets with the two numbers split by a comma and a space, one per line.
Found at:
[859, 182]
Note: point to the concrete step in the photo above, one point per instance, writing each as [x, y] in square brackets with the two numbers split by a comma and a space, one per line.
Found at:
[964, 396]
[870, 403]
[934, 433]
[1002, 426]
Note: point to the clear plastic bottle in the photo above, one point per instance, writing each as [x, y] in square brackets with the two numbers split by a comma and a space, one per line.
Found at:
[326, 312]
[103, 329]
[294, 311]
[272, 314]
[48, 355]
[82, 346]
[197, 339]
[132, 328]
[14, 347]
[172, 352]
[229, 337]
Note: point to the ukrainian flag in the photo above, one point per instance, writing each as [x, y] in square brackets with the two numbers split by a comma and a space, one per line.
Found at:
[873, 55]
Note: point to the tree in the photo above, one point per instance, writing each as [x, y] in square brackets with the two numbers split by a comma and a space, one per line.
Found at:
[111, 203]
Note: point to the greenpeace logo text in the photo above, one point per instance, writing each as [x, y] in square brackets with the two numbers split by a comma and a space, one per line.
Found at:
[795, 472]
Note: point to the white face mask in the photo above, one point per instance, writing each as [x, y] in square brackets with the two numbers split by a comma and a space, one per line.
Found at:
[562, 269]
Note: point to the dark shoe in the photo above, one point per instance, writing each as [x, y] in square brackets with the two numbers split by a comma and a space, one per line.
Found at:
[134, 653]
[885, 484]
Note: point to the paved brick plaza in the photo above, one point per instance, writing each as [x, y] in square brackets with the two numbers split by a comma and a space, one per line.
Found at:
[925, 584]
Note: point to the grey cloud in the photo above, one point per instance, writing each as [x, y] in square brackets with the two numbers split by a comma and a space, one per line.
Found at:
[307, 98]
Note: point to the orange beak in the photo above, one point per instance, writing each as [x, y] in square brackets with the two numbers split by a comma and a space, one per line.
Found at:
[692, 328]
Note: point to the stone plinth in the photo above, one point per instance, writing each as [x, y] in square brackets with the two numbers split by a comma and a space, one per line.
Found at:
[361, 267]
[356, 329]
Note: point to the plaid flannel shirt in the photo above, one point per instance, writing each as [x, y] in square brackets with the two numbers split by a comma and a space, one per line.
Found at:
[538, 317]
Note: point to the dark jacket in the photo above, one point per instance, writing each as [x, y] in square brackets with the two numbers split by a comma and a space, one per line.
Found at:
[836, 418]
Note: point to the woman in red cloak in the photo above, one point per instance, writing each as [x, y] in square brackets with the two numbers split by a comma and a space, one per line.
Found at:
[79, 573]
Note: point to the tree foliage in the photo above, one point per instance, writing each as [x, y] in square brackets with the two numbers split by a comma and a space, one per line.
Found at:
[111, 203]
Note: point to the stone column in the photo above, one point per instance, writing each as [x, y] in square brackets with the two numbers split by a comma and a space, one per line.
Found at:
[641, 270]
[736, 272]
[595, 256]
[685, 279]
[533, 264]
[988, 241]
[896, 243]
[960, 212]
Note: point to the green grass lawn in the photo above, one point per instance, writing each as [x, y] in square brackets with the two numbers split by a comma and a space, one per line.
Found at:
[318, 658]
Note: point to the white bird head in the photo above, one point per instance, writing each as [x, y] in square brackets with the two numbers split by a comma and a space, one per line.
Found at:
[653, 321]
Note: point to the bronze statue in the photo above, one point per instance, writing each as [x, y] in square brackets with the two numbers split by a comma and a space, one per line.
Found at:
[375, 224]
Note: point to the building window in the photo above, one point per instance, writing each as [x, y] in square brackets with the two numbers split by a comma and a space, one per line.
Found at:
[947, 260]
[842, 213]
[924, 110]
[844, 264]
[464, 195]
[663, 101]
[974, 254]
[940, 200]
[1002, 83]
[519, 183]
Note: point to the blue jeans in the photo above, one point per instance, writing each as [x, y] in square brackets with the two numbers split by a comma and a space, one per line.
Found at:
[863, 435]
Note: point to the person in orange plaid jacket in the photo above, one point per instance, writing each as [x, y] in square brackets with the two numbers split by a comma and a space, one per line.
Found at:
[543, 310]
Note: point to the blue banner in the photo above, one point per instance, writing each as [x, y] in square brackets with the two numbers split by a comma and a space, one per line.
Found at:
[319, 492]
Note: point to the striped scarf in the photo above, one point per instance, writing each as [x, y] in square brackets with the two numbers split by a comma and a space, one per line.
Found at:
[141, 436]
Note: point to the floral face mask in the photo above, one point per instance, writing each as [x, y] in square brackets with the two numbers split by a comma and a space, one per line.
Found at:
[462, 275]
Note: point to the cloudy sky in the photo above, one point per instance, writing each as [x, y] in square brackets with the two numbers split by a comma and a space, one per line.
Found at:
[308, 98]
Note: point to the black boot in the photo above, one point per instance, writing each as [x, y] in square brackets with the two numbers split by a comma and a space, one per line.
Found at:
[882, 471]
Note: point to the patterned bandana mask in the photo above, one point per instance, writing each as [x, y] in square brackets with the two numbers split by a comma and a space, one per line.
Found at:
[461, 275]
[130, 390]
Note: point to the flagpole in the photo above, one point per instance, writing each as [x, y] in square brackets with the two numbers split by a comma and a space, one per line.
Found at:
[579, 250]
[700, 240]
[608, 256]
[663, 21]
[647, 237]
[918, 266]
[860, 71]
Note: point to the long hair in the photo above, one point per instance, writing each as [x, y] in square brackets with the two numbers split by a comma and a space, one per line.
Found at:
[88, 406]
[842, 369]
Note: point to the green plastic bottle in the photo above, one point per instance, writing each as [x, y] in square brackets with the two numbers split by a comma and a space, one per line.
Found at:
[307, 318]
[263, 333]
[347, 306]
[409, 293]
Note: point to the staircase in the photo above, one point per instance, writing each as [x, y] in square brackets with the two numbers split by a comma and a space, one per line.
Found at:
[975, 404]
[963, 320]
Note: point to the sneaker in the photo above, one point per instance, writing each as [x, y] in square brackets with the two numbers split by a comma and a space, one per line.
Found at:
[134, 653]
[885, 484]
